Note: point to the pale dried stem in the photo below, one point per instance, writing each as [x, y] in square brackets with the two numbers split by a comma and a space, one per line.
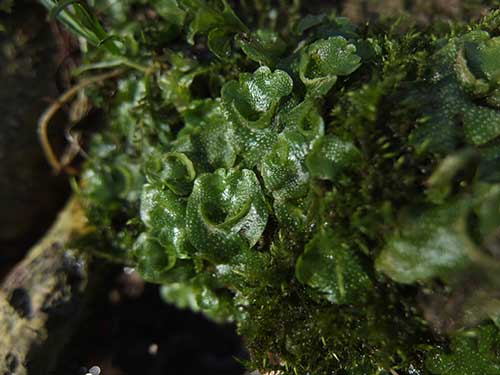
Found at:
[45, 118]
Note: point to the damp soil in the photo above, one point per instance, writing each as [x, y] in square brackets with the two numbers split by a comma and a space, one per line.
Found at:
[130, 330]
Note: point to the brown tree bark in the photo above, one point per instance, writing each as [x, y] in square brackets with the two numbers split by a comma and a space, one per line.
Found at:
[45, 297]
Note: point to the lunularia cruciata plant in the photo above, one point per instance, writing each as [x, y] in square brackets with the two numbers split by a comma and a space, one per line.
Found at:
[332, 189]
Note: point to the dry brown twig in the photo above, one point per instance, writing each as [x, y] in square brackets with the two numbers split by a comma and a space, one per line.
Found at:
[44, 121]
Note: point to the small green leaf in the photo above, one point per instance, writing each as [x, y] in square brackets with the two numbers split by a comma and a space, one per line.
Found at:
[79, 17]
[211, 135]
[432, 244]
[309, 21]
[175, 84]
[163, 213]
[153, 259]
[487, 209]
[473, 85]
[333, 269]
[264, 47]
[170, 11]
[483, 57]
[304, 117]
[291, 214]
[461, 104]
[219, 42]
[209, 15]
[283, 169]
[108, 183]
[323, 61]
[251, 105]
[330, 156]
[203, 294]
[182, 295]
[481, 124]
[172, 169]
[252, 101]
[473, 352]
[441, 183]
[226, 212]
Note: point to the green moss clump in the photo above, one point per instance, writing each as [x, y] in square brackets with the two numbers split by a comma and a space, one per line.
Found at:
[320, 184]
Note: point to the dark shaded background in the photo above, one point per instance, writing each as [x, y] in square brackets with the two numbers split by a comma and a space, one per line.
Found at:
[30, 195]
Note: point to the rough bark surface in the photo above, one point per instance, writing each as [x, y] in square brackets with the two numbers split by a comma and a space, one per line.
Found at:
[43, 299]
